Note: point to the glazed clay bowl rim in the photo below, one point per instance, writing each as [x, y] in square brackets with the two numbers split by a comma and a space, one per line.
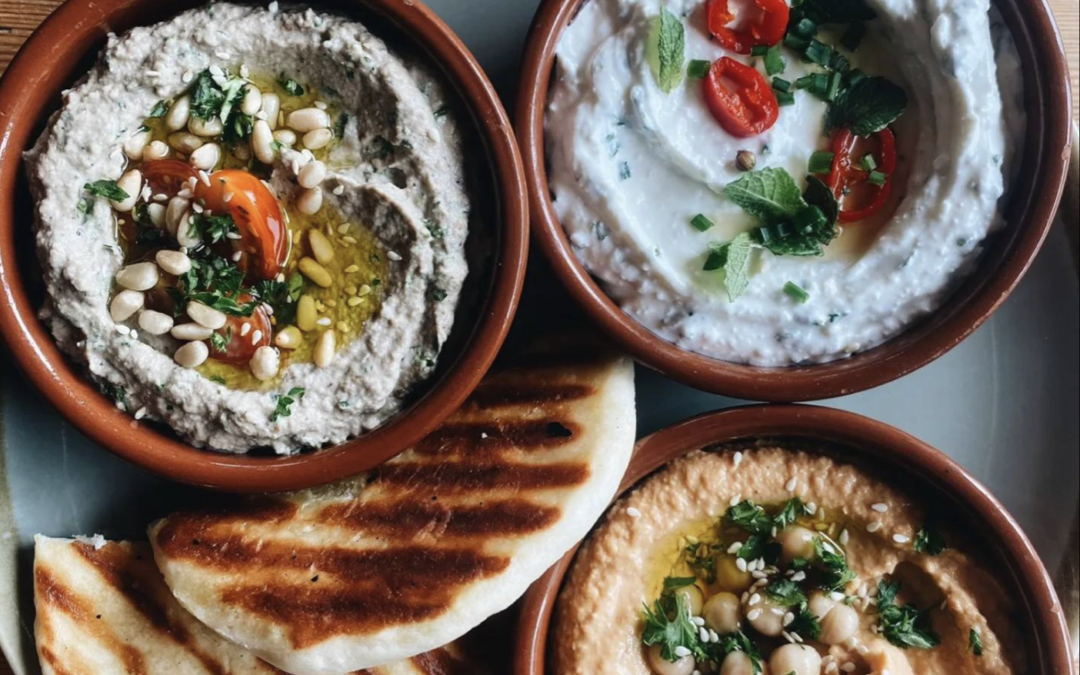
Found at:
[1039, 188]
[864, 441]
[49, 60]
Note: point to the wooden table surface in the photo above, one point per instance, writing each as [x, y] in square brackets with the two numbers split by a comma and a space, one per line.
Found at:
[19, 18]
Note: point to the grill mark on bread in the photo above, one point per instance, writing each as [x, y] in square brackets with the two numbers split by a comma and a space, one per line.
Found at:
[144, 594]
[412, 519]
[496, 394]
[55, 663]
[488, 436]
[465, 477]
[54, 593]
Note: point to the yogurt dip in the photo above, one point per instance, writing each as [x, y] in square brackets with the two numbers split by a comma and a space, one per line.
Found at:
[638, 172]
[251, 223]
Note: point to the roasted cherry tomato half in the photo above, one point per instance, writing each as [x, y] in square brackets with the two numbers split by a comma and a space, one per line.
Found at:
[850, 181]
[766, 27]
[740, 98]
[242, 343]
[257, 214]
[168, 176]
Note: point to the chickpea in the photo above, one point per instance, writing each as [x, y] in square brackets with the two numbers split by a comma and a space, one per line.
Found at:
[767, 618]
[661, 666]
[839, 624]
[738, 663]
[722, 613]
[797, 659]
[820, 605]
[796, 542]
[729, 577]
[695, 599]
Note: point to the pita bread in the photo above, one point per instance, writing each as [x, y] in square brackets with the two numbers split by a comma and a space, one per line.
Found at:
[103, 609]
[420, 551]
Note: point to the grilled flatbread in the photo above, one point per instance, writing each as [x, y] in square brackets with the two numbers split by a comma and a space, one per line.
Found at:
[103, 609]
[418, 552]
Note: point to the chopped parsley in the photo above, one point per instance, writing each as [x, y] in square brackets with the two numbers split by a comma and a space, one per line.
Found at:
[117, 393]
[340, 125]
[624, 171]
[834, 567]
[930, 541]
[790, 512]
[206, 97]
[285, 403]
[785, 592]
[975, 643]
[282, 296]
[212, 229]
[219, 342]
[668, 624]
[701, 559]
[238, 127]
[904, 626]
[750, 517]
[159, 110]
[290, 86]
[805, 624]
[108, 189]
[213, 281]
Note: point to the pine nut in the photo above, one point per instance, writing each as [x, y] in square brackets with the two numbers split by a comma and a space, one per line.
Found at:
[271, 105]
[310, 201]
[206, 316]
[318, 139]
[192, 355]
[138, 277]
[308, 119]
[134, 146]
[316, 272]
[179, 114]
[182, 141]
[174, 213]
[155, 323]
[131, 183]
[289, 337]
[156, 150]
[173, 262]
[262, 139]
[324, 349]
[125, 304]
[190, 332]
[306, 314]
[252, 101]
[312, 175]
[206, 157]
[186, 235]
[321, 247]
[265, 363]
[157, 214]
[207, 128]
[286, 137]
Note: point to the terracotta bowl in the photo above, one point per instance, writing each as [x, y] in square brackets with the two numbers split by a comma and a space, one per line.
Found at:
[1010, 253]
[908, 462]
[59, 53]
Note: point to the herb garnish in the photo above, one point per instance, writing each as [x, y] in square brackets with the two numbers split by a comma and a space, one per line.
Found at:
[159, 110]
[906, 626]
[733, 258]
[220, 341]
[805, 624]
[285, 402]
[213, 281]
[667, 623]
[291, 86]
[701, 559]
[117, 393]
[750, 517]
[211, 228]
[109, 189]
[930, 541]
[867, 107]
[785, 592]
[667, 50]
[790, 512]
[796, 292]
[282, 296]
[206, 97]
[975, 643]
[835, 573]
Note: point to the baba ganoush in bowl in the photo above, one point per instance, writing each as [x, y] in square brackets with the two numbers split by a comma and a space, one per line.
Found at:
[280, 240]
[787, 540]
[783, 202]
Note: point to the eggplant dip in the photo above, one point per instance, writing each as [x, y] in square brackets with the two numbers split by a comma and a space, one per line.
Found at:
[758, 559]
[252, 225]
[775, 185]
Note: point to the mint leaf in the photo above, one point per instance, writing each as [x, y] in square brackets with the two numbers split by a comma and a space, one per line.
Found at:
[737, 265]
[769, 194]
[109, 189]
[819, 194]
[666, 50]
[867, 107]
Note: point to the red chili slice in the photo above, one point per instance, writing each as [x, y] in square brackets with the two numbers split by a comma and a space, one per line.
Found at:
[740, 98]
[845, 175]
[767, 28]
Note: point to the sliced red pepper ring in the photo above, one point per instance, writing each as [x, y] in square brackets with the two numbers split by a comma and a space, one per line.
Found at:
[257, 214]
[242, 344]
[740, 98]
[767, 28]
[848, 176]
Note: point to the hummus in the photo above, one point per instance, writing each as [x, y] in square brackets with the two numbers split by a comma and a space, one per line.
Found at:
[252, 224]
[847, 574]
[637, 172]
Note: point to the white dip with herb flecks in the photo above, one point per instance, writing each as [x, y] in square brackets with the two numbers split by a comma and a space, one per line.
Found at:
[252, 223]
[642, 177]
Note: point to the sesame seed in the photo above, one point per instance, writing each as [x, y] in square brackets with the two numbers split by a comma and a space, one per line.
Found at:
[244, 72]
[339, 190]
[734, 548]
[324, 321]
[348, 240]
[737, 459]
[245, 328]
[153, 73]
[791, 485]
[161, 198]
[788, 618]
[734, 500]
[901, 539]
[845, 537]
[122, 329]
[713, 636]
[228, 197]
[848, 667]
[837, 596]
[354, 301]
[740, 564]
[321, 105]
[682, 652]
[223, 55]
[343, 228]
[758, 574]
[364, 290]
[393, 256]
[237, 256]
[799, 576]
[787, 636]
[216, 70]
[754, 614]
[697, 621]
[880, 507]
[188, 76]
[256, 336]
[755, 598]
[140, 413]
[811, 508]
[632, 512]
[197, 208]
[343, 327]
[204, 177]
[777, 611]
[873, 527]
[703, 633]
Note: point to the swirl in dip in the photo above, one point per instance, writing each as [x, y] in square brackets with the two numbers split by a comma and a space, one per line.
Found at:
[681, 134]
[252, 224]
[757, 559]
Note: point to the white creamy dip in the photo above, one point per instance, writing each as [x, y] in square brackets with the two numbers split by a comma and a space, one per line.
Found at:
[630, 166]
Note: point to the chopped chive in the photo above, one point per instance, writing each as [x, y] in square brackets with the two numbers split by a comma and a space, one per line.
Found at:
[785, 98]
[796, 43]
[701, 223]
[835, 80]
[877, 178]
[698, 69]
[780, 84]
[796, 293]
[805, 82]
[818, 52]
[838, 62]
[759, 50]
[868, 163]
[854, 36]
[805, 28]
[821, 162]
[774, 61]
